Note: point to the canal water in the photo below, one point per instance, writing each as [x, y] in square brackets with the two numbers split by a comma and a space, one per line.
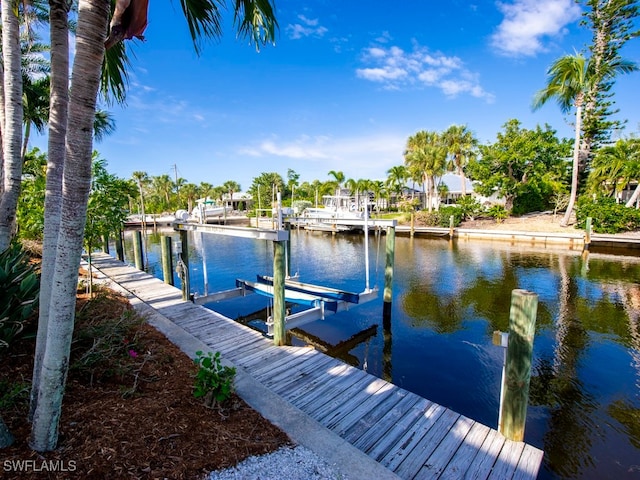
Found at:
[448, 299]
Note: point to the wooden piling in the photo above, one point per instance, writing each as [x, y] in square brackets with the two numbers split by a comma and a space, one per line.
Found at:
[517, 371]
[119, 246]
[388, 273]
[167, 259]
[184, 255]
[451, 225]
[287, 227]
[279, 306]
[138, 254]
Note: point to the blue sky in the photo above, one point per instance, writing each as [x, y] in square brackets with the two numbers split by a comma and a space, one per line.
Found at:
[345, 85]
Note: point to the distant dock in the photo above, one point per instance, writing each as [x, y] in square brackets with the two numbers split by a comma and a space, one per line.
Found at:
[406, 435]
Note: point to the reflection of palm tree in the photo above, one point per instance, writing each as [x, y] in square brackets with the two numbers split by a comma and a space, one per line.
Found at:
[556, 384]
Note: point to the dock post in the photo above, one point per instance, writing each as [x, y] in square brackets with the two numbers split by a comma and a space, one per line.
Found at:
[287, 227]
[167, 259]
[119, 246]
[184, 258]
[388, 274]
[279, 306]
[413, 223]
[517, 370]
[138, 254]
[451, 222]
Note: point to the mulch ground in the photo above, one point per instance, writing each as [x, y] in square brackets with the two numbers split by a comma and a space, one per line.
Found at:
[135, 419]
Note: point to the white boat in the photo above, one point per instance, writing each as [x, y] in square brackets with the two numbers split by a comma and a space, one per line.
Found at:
[335, 207]
[206, 209]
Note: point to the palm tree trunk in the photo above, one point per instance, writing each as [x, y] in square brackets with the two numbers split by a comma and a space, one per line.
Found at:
[92, 27]
[575, 167]
[59, 102]
[11, 134]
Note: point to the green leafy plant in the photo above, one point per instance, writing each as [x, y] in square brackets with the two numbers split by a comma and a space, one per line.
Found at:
[608, 216]
[498, 213]
[20, 289]
[469, 206]
[213, 382]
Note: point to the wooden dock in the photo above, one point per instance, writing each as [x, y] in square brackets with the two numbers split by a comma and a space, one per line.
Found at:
[409, 435]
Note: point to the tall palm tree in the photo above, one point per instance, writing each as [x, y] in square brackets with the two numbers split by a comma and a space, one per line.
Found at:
[460, 144]
[231, 187]
[396, 178]
[378, 190]
[427, 153]
[142, 179]
[189, 192]
[339, 178]
[10, 123]
[569, 79]
[253, 18]
[163, 185]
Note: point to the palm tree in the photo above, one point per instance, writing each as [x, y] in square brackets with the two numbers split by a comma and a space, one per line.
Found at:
[338, 178]
[569, 79]
[460, 144]
[253, 18]
[205, 189]
[163, 185]
[427, 153]
[396, 178]
[142, 179]
[190, 193]
[11, 134]
[614, 166]
[231, 187]
[378, 190]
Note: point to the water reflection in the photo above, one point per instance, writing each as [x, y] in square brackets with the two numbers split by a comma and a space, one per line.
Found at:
[448, 299]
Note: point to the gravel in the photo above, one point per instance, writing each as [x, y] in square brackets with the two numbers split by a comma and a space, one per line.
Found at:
[287, 463]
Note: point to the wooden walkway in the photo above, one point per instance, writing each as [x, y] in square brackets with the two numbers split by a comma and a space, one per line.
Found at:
[409, 435]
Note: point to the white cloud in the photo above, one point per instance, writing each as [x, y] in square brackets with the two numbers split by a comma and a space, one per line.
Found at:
[308, 27]
[527, 24]
[357, 157]
[395, 69]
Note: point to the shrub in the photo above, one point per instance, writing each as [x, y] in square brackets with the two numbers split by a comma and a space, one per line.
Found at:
[20, 289]
[213, 382]
[440, 218]
[469, 206]
[607, 215]
[498, 213]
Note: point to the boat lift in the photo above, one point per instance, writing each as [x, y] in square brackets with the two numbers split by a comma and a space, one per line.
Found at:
[322, 301]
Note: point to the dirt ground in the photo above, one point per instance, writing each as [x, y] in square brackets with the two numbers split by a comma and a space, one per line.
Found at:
[136, 419]
[543, 222]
